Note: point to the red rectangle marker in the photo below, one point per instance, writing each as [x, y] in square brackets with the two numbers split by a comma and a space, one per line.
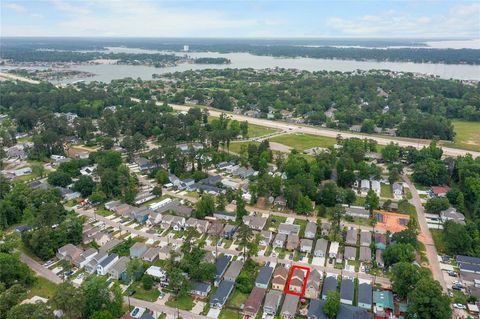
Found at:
[287, 286]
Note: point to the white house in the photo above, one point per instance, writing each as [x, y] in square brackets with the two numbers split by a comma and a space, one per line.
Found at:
[104, 265]
[333, 251]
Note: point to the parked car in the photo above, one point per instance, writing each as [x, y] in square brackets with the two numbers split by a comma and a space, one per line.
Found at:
[452, 273]
[457, 287]
[459, 306]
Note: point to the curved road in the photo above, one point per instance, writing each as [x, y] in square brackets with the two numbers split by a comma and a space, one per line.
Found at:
[296, 128]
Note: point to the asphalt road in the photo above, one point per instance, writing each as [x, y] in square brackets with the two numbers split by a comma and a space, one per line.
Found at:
[425, 235]
[40, 270]
[296, 128]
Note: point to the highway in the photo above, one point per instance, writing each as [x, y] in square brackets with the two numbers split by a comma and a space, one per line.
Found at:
[296, 128]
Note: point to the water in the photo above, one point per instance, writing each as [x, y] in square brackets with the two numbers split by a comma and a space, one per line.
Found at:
[108, 72]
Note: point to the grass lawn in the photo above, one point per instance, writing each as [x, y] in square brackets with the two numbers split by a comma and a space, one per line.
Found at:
[303, 224]
[359, 201]
[103, 212]
[184, 303]
[236, 147]
[140, 293]
[258, 130]
[237, 299]
[438, 240]
[386, 191]
[467, 135]
[275, 221]
[228, 314]
[304, 141]
[43, 288]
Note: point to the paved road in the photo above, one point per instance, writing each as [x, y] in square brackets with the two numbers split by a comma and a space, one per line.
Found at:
[295, 128]
[162, 308]
[425, 235]
[8, 76]
[40, 270]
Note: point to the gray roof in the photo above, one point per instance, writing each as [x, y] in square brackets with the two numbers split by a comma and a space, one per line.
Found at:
[222, 293]
[310, 228]
[330, 283]
[468, 259]
[272, 299]
[347, 289]
[365, 253]
[365, 293]
[201, 287]
[351, 237]
[350, 252]
[315, 311]
[108, 260]
[121, 264]
[264, 275]
[321, 245]
[469, 267]
[234, 270]
[289, 229]
[365, 238]
[290, 304]
[357, 211]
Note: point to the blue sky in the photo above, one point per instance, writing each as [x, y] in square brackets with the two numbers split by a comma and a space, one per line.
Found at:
[229, 18]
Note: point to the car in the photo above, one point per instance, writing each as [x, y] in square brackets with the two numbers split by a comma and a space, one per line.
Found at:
[452, 273]
[457, 287]
[135, 312]
[274, 254]
[459, 306]
[161, 296]
[48, 263]
[68, 273]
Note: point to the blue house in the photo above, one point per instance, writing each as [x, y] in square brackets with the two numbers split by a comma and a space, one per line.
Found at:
[220, 268]
[263, 277]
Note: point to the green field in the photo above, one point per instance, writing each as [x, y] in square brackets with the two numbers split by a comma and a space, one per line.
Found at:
[43, 288]
[386, 191]
[302, 142]
[257, 130]
[467, 135]
[235, 147]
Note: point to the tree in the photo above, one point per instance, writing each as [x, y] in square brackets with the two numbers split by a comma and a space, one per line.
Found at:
[135, 269]
[428, 301]
[332, 304]
[372, 200]
[96, 296]
[391, 153]
[405, 277]
[406, 236]
[430, 172]
[240, 210]
[205, 206]
[398, 252]
[12, 271]
[304, 205]
[350, 196]
[245, 234]
[161, 176]
[85, 185]
[456, 238]
[147, 282]
[59, 179]
[38, 310]
[368, 126]
[69, 299]
[435, 205]
[10, 298]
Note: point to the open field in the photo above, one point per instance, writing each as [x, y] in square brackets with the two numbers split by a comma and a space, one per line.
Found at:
[467, 135]
[43, 288]
[235, 147]
[258, 130]
[302, 142]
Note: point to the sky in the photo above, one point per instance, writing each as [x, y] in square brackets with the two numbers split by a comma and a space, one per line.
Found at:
[241, 18]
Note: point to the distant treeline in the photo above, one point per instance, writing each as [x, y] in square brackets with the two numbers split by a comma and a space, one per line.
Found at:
[212, 61]
[378, 50]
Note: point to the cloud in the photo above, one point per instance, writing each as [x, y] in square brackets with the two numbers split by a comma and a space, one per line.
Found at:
[461, 21]
[68, 7]
[14, 7]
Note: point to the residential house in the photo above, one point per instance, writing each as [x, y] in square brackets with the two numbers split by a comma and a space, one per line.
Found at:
[376, 187]
[321, 247]
[227, 216]
[266, 238]
[397, 189]
[229, 231]
[365, 254]
[263, 277]
[215, 229]
[177, 223]
[220, 267]
[288, 229]
[290, 305]
[357, 212]
[123, 210]
[68, 194]
[382, 303]
[452, 214]
[272, 302]
[101, 238]
[379, 258]
[292, 242]
[306, 245]
[137, 250]
[221, 295]
[151, 255]
[279, 241]
[119, 270]
[200, 226]
[91, 267]
[365, 296]
[255, 222]
[254, 302]
[333, 251]
[365, 238]
[312, 289]
[364, 185]
[380, 241]
[144, 197]
[85, 257]
[233, 271]
[69, 253]
[350, 253]
[330, 284]
[280, 201]
[310, 230]
[325, 229]
[209, 257]
[351, 237]
[112, 205]
[439, 191]
[347, 289]
[104, 265]
[279, 280]
[297, 280]
[166, 251]
[156, 272]
[110, 245]
[201, 289]
[315, 311]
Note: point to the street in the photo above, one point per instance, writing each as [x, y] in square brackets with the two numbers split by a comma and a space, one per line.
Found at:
[40, 270]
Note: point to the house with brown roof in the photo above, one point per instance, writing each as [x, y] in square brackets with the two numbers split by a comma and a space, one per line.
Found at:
[312, 289]
[306, 245]
[296, 282]
[69, 252]
[292, 242]
[280, 276]
[254, 302]
[215, 229]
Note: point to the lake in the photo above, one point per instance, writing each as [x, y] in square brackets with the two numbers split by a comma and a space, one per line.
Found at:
[108, 72]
